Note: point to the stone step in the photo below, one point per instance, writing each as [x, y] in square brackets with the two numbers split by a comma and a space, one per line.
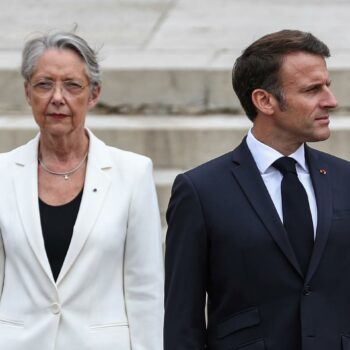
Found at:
[171, 142]
[158, 82]
[175, 144]
[164, 179]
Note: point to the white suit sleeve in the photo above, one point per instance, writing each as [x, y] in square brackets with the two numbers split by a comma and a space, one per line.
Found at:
[143, 266]
[2, 264]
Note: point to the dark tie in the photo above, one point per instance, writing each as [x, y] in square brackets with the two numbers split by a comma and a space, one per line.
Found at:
[297, 218]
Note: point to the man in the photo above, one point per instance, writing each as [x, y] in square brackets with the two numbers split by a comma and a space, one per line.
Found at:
[268, 247]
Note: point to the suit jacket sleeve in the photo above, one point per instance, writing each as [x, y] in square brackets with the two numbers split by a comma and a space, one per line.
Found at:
[2, 250]
[143, 266]
[186, 269]
[2, 264]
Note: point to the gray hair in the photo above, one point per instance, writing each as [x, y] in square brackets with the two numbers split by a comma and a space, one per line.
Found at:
[34, 48]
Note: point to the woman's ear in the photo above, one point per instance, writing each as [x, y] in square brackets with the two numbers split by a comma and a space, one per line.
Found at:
[94, 96]
[264, 101]
[27, 92]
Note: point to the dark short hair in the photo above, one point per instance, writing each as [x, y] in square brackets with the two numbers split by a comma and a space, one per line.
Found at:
[259, 65]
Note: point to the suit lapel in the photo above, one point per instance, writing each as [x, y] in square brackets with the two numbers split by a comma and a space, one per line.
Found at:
[26, 191]
[248, 176]
[323, 194]
[25, 180]
[97, 182]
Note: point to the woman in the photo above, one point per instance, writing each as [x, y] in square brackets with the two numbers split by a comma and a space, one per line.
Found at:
[81, 258]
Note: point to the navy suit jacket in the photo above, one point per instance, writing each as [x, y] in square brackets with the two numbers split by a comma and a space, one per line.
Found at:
[226, 242]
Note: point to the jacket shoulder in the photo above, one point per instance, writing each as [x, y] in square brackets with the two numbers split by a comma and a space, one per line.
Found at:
[331, 160]
[212, 165]
[128, 159]
[118, 157]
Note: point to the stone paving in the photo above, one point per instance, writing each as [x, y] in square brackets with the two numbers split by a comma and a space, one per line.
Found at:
[197, 31]
[168, 56]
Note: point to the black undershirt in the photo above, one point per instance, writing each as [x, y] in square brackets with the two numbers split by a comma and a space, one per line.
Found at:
[57, 223]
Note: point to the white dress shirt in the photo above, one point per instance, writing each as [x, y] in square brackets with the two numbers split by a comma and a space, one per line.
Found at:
[264, 156]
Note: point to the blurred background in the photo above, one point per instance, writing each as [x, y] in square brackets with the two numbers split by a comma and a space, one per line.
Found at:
[167, 71]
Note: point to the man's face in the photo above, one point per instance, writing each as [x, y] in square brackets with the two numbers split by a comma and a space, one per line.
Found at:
[306, 89]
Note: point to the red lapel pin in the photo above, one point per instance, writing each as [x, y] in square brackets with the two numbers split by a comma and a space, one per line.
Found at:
[323, 171]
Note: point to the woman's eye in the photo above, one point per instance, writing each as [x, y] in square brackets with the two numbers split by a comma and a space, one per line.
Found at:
[72, 85]
[43, 85]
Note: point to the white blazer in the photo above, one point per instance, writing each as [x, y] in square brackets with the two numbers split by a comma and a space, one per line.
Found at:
[109, 293]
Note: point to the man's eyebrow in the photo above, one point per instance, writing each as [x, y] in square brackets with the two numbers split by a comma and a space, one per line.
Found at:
[311, 85]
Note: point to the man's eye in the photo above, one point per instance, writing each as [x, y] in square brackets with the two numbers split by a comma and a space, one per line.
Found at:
[314, 88]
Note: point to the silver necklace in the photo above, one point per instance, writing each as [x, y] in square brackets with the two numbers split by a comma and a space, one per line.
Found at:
[65, 174]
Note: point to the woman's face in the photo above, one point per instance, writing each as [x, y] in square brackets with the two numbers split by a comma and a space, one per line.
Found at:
[59, 93]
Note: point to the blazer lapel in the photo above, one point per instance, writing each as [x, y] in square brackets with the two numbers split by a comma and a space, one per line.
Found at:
[248, 176]
[318, 172]
[97, 182]
[26, 191]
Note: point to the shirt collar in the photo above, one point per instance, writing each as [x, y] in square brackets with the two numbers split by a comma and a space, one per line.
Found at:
[265, 155]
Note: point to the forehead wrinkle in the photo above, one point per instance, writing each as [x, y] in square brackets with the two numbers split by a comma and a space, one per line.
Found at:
[53, 63]
[305, 75]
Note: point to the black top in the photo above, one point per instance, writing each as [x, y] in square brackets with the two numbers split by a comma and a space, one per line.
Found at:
[57, 223]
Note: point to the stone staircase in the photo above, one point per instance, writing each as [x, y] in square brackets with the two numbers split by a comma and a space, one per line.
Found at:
[184, 118]
[167, 71]
[174, 143]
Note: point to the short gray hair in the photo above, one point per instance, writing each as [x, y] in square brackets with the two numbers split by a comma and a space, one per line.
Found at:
[34, 48]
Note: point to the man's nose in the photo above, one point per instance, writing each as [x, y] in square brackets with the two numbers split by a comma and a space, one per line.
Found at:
[330, 100]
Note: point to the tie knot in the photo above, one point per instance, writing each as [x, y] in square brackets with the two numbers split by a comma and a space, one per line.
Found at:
[285, 165]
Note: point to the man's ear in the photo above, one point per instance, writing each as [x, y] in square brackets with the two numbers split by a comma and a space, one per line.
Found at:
[264, 101]
[27, 92]
[94, 96]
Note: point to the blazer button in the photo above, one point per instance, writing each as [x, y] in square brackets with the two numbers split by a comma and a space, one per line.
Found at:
[307, 290]
[55, 308]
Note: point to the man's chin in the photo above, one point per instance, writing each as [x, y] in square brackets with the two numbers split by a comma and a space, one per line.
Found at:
[320, 137]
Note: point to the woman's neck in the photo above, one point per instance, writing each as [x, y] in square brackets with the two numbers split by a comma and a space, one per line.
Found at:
[63, 149]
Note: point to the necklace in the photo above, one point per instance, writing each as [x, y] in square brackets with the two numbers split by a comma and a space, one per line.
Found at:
[65, 174]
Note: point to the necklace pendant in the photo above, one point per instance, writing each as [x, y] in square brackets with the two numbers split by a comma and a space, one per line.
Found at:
[65, 174]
